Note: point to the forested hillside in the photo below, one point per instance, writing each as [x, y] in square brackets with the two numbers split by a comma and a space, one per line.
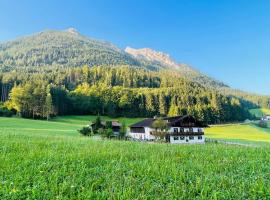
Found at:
[62, 72]
[71, 49]
[60, 48]
[116, 91]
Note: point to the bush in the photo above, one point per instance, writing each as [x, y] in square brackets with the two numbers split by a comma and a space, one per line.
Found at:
[5, 112]
[262, 124]
[106, 132]
[86, 131]
[97, 125]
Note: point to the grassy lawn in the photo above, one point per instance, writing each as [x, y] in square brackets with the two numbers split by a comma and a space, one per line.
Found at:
[66, 125]
[50, 160]
[246, 132]
[58, 166]
[37, 127]
[260, 112]
[85, 119]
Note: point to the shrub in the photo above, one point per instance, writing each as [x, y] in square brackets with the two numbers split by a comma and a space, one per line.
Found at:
[108, 124]
[97, 125]
[86, 131]
[5, 112]
[106, 132]
[123, 130]
[262, 124]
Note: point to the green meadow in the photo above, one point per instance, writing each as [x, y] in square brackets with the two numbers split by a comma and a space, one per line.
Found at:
[260, 112]
[50, 160]
[247, 132]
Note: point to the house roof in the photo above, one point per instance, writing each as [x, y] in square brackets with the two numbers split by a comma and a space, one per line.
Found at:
[177, 121]
[144, 123]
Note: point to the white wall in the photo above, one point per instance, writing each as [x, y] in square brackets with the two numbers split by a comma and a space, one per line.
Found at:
[267, 118]
[143, 136]
[187, 140]
[148, 136]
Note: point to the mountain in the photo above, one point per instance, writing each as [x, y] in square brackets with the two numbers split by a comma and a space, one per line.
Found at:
[68, 49]
[160, 60]
[61, 48]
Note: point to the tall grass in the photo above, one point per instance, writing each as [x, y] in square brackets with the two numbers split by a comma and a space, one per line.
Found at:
[68, 167]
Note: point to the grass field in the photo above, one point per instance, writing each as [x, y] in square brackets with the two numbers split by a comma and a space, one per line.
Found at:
[66, 125]
[83, 120]
[260, 112]
[50, 160]
[239, 132]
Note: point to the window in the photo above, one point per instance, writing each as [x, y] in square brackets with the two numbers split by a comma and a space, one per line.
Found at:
[175, 130]
[181, 130]
[200, 130]
[137, 130]
[191, 130]
[182, 137]
[191, 137]
[175, 138]
[199, 137]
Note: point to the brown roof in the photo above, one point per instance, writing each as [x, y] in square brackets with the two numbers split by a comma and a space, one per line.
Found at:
[144, 123]
[179, 120]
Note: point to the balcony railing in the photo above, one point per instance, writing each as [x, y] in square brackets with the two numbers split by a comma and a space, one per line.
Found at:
[182, 133]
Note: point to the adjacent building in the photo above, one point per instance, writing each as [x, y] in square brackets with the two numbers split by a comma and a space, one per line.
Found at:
[266, 118]
[180, 130]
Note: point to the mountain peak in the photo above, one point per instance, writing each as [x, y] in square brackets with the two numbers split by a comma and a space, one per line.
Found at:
[152, 55]
[72, 31]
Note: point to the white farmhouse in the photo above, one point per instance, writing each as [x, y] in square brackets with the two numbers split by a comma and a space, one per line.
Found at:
[181, 130]
[266, 118]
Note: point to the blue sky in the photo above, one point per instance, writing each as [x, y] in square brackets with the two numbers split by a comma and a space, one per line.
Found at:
[226, 39]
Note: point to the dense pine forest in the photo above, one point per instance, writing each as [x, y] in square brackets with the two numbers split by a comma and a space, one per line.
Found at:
[115, 91]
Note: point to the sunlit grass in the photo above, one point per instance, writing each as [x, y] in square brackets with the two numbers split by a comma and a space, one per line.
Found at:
[85, 119]
[50, 160]
[249, 132]
[82, 168]
[260, 112]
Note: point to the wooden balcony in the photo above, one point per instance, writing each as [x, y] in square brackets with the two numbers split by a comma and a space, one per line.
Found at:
[182, 133]
[185, 133]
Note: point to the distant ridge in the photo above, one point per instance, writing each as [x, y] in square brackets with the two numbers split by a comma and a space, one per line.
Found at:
[162, 60]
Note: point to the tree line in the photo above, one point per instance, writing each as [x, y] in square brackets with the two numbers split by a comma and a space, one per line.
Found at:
[115, 91]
